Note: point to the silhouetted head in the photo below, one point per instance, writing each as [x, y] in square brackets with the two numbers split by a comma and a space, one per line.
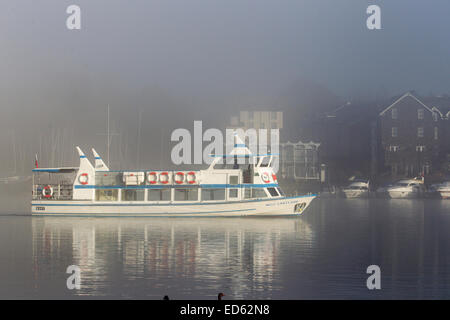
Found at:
[219, 297]
[166, 298]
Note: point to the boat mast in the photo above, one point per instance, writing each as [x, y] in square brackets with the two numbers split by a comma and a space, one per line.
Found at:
[139, 140]
[108, 140]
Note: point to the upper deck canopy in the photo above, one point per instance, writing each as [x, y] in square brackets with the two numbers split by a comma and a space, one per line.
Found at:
[56, 170]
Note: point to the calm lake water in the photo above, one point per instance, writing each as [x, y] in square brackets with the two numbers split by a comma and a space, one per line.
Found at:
[322, 254]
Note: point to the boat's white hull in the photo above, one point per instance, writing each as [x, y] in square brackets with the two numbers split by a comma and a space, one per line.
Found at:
[403, 194]
[444, 194]
[349, 194]
[264, 207]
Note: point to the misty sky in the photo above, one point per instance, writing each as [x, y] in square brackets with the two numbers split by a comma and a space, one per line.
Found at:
[205, 56]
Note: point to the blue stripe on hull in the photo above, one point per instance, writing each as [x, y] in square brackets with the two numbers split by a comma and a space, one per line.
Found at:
[151, 214]
[204, 186]
[143, 204]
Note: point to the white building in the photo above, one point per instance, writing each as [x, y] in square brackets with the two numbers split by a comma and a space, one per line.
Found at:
[299, 161]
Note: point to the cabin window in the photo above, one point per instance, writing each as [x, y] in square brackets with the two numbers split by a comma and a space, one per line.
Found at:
[254, 193]
[213, 194]
[107, 178]
[258, 193]
[420, 132]
[394, 113]
[420, 114]
[234, 180]
[233, 193]
[280, 192]
[133, 195]
[106, 194]
[273, 192]
[265, 162]
[230, 165]
[188, 194]
[159, 195]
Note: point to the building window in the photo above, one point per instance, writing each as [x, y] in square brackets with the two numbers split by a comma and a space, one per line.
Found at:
[394, 113]
[436, 133]
[394, 132]
[420, 114]
[393, 148]
[420, 132]
[435, 116]
[420, 148]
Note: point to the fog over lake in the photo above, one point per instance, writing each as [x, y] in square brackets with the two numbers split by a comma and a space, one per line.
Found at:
[168, 63]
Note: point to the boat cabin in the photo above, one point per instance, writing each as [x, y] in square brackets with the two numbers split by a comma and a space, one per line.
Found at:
[226, 179]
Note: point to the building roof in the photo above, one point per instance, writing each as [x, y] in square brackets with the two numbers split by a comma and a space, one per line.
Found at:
[408, 94]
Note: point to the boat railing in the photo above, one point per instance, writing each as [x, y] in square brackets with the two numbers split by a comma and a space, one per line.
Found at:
[52, 192]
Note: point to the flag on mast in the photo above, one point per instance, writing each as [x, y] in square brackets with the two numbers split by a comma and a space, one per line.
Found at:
[36, 162]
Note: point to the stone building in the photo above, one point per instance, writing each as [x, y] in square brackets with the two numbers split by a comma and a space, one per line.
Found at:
[413, 136]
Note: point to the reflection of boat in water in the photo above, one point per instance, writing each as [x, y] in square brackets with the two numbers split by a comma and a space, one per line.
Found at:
[356, 189]
[236, 184]
[116, 249]
[406, 189]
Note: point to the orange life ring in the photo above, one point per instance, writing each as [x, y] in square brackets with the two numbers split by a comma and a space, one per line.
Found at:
[152, 174]
[265, 177]
[83, 178]
[192, 174]
[45, 194]
[166, 174]
[179, 174]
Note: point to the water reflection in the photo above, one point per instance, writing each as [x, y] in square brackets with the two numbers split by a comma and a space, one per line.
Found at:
[322, 254]
[185, 258]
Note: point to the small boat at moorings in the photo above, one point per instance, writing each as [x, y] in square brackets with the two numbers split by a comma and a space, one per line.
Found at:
[356, 189]
[406, 189]
[226, 188]
[443, 190]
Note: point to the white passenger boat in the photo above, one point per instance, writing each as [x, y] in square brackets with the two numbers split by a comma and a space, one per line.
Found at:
[407, 188]
[443, 190]
[224, 189]
[356, 189]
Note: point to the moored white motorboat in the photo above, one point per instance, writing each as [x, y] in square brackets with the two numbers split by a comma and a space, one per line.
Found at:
[406, 189]
[356, 189]
[227, 188]
[443, 190]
